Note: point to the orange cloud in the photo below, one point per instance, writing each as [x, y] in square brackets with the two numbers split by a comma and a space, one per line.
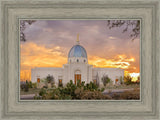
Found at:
[120, 61]
[33, 55]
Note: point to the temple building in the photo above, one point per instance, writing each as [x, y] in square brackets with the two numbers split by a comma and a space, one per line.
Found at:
[77, 68]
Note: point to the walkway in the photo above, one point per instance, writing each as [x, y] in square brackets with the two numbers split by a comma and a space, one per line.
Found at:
[27, 97]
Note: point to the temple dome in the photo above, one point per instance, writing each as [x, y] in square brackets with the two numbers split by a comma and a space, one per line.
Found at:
[77, 51]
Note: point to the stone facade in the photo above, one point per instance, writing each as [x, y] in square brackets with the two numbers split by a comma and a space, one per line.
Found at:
[77, 68]
[67, 73]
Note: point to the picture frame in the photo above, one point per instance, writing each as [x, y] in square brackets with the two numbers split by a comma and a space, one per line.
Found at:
[13, 11]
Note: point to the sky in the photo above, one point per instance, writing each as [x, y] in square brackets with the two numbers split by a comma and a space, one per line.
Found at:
[48, 43]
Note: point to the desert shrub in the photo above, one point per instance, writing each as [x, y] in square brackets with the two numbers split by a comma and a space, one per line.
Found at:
[138, 80]
[115, 96]
[62, 93]
[102, 89]
[78, 83]
[128, 80]
[26, 88]
[94, 95]
[60, 85]
[29, 84]
[54, 86]
[105, 79]
[50, 79]
[129, 95]
[70, 88]
[57, 94]
[83, 83]
[36, 97]
[91, 86]
[34, 85]
[22, 86]
[71, 91]
[45, 87]
[42, 92]
[78, 92]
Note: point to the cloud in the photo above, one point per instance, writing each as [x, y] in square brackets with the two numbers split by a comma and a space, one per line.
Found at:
[33, 55]
[119, 61]
[49, 41]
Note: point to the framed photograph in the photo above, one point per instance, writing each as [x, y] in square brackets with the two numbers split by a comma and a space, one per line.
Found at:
[80, 59]
[56, 66]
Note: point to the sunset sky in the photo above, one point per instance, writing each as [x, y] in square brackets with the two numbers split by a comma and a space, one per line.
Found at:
[49, 41]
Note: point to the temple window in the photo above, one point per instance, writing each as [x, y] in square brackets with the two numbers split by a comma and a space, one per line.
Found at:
[60, 84]
[38, 80]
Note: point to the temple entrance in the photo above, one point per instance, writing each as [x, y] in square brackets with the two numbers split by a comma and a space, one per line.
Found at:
[77, 76]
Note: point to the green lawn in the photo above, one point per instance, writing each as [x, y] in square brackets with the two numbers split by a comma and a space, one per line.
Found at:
[31, 91]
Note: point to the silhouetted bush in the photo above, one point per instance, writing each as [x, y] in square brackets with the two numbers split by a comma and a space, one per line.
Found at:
[42, 92]
[26, 88]
[128, 80]
[22, 86]
[50, 79]
[105, 79]
[60, 84]
[34, 85]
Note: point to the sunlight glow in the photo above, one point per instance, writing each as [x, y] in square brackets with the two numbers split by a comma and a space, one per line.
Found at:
[134, 76]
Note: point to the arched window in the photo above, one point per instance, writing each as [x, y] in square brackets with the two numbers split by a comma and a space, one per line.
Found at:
[77, 60]
[70, 61]
[84, 60]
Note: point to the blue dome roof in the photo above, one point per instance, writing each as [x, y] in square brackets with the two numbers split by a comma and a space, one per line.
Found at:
[77, 51]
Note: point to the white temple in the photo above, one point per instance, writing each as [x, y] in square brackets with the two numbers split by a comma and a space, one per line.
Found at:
[77, 68]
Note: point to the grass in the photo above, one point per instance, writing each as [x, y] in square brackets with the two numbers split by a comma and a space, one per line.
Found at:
[31, 91]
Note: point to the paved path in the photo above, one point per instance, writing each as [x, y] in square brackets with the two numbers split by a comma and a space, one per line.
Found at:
[27, 97]
[116, 90]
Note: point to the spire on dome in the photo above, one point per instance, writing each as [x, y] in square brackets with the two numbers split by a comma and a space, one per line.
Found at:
[77, 38]
[77, 50]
